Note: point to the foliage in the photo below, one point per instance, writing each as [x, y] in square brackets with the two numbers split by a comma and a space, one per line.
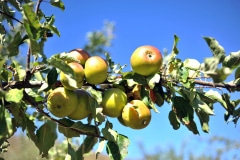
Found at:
[24, 87]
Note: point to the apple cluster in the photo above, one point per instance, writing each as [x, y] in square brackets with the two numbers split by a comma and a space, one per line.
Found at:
[73, 102]
[70, 100]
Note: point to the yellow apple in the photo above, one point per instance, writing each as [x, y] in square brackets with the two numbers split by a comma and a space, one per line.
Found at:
[78, 77]
[136, 114]
[96, 69]
[146, 60]
[113, 101]
[62, 102]
[82, 110]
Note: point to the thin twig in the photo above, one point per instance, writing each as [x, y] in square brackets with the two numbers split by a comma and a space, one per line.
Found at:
[1, 12]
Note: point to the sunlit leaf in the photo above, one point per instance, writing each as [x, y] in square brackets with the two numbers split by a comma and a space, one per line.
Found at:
[50, 25]
[204, 120]
[58, 3]
[14, 95]
[152, 80]
[199, 104]
[101, 146]
[216, 48]
[109, 133]
[214, 95]
[233, 60]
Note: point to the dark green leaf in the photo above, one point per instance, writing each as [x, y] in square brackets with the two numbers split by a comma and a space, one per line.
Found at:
[109, 133]
[216, 48]
[52, 76]
[237, 73]
[87, 145]
[46, 137]
[14, 44]
[113, 151]
[204, 120]
[14, 95]
[71, 152]
[58, 3]
[192, 127]
[174, 120]
[50, 25]
[84, 128]
[233, 60]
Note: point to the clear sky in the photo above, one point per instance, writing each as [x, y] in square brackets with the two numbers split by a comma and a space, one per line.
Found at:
[153, 22]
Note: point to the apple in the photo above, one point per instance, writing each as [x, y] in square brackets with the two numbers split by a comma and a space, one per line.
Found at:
[62, 102]
[82, 110]
[78, 77]
[113, 101]
[80, 55]
[96, 69]
[146, 60]
[136, 114]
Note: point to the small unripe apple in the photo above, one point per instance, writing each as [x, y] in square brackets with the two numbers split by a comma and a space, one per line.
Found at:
[146, 60]
[96, 69]
[78, 77]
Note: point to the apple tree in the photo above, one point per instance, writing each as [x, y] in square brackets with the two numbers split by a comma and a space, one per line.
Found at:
[191, 87]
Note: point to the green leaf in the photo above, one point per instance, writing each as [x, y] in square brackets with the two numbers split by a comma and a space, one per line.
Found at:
[49, 25]
[192, 127]
[118, 151]
[109, 133]
[214, 95]
[233, 60]
[52, 76]
[16, 4]
[31, 22]
[46, 137]
[174, 121]
[237, 73]
[58, 3]
[37, 97]
[183, 109]
[67, 131]
[197, 103]
[216, 48]
[14, 44]
[174, 49]
[85, 128]
[87, 145]
[71, 153]
[204, 120]
[14, 95]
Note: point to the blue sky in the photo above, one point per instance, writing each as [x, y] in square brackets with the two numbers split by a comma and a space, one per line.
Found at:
[153, 22]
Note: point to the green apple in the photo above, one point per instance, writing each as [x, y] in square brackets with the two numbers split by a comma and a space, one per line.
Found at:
[96, 69]
[113, 101]
[62, 102]
[82, 110]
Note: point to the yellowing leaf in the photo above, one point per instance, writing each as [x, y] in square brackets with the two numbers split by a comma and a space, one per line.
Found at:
[14, 95]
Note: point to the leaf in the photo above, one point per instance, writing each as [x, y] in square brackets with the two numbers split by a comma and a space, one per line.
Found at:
[49, 25]
[85, 128]
[52, 76]
[87, 145]
[233, 60]
[197, 103]
[101, 146]
[37, 97]
[192, 127]
[237, 73]
[183, 109]
[204, 120]
[109, 133]
[214, 95]
[67, 131]
[192, 64]
[174, 49]
[46, 137]
[118, 151]
[58, 3]
[71, 153]
[14, 44]
[216, 48]
[14, 95]
[174, 120]
[31, 22]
